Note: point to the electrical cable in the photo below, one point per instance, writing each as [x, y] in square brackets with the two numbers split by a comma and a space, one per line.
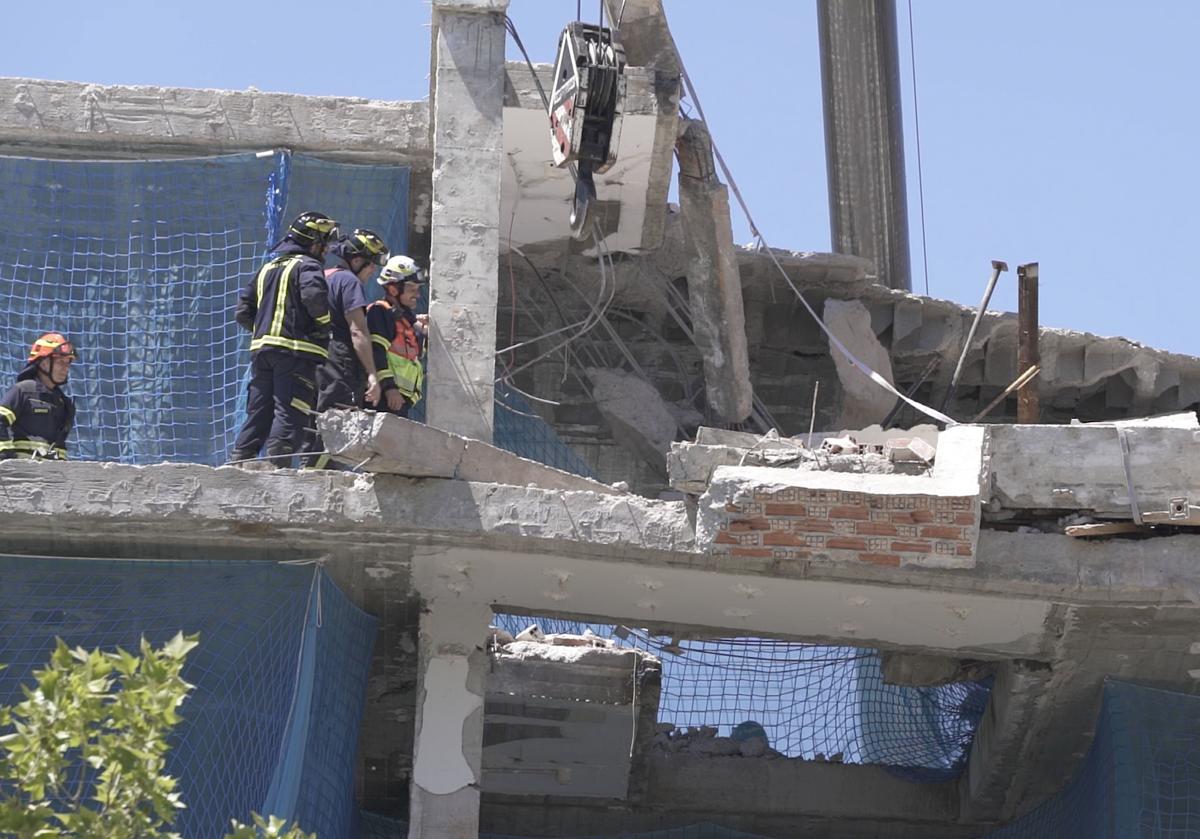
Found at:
[754, 229]
[912, 55]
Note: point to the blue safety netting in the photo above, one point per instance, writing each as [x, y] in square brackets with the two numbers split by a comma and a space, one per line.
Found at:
[814, 702]
[280, 674]
[140, 262]
[1141, 777]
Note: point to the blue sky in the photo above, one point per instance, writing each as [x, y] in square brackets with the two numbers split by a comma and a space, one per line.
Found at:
[1056, 132]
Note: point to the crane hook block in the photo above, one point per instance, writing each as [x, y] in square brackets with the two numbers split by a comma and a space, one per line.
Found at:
[585, 110]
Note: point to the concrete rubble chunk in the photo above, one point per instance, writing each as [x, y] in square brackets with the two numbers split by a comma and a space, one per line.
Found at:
[909, 450]
[863, 401]
[386, 443]
[690, 466]
[638, 417]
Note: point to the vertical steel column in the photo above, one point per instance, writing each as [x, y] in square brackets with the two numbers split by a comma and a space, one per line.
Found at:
[864, 138]
[1028, 409]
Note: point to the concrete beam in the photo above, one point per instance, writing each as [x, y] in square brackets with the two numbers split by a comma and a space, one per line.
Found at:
[467, 99]
[384, 443]
[714, 285]
[734, 604]
[315, 513]
[1081, 467]
[744, 785]
[91, 120]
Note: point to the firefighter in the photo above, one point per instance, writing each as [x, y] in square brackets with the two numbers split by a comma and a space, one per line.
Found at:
[35, 414]
[398, 335]
[349, 376]
[286, 308]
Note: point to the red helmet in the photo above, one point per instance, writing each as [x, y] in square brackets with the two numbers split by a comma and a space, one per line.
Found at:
[50, 345]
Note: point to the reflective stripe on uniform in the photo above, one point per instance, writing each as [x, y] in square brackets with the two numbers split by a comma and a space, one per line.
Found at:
[7, 415]
[32, 447]
[381, 341]
[288, 344]
[324, 319]
[281, 296]
[297, 402]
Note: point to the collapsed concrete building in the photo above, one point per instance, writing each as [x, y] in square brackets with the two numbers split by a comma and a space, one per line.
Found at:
[720, 501]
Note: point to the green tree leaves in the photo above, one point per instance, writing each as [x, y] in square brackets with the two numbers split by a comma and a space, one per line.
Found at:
[84, 754]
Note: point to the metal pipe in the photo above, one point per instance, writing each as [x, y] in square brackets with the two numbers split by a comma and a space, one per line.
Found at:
[997, 267]
[1028, 409]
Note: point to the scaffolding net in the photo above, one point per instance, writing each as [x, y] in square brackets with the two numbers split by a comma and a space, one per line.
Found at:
[140, 263]
[1140, 778]
[280, 674]
[813, 702]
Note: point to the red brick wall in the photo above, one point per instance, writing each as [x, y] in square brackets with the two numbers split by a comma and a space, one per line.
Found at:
[831, 525]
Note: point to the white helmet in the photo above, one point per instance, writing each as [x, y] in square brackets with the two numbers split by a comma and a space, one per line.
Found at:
[400, 269]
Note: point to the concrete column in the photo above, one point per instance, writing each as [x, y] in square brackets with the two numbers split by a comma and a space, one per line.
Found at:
[864, 140]
[448, 745]
[466, 103]
[714, 282]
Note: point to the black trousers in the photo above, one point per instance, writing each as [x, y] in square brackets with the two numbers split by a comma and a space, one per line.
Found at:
[279, 401]
[341, 382]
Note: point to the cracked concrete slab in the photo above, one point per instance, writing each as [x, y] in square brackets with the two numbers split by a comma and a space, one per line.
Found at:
[385, 443]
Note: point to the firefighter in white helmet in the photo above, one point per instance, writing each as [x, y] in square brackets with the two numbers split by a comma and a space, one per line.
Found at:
[398, 336]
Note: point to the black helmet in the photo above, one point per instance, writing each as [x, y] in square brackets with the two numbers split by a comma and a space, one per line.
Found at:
[365, 244]
[313, 227]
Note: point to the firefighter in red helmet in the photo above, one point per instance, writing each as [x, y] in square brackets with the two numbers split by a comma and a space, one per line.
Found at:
[36, 415]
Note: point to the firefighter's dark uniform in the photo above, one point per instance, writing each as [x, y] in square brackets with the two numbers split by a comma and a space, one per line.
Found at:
[34, 419]
[286, 307]
[398, 349]
[341, 379]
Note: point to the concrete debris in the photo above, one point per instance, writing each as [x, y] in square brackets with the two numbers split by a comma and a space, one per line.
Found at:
[746, 740]
[533, 632]
[597, 651]
[863, 401]
[394, 445]
[498, 637]
[909, 450]
[840, 445]
[690, 466]
[638, 417]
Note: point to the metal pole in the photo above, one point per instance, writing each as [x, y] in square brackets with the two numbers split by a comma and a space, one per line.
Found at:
[997, 267]
[1028, 409]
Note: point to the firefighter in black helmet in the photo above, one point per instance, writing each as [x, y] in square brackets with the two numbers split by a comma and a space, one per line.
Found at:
[286, 308]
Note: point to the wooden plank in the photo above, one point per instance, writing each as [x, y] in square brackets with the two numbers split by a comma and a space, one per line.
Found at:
[1103, 528]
